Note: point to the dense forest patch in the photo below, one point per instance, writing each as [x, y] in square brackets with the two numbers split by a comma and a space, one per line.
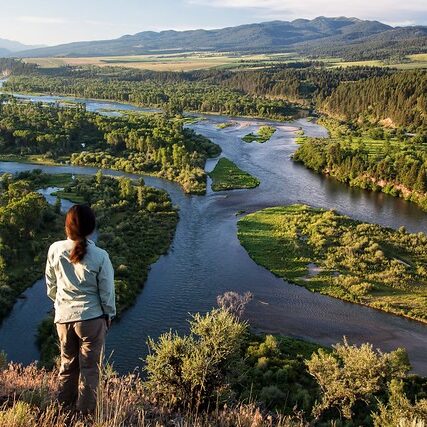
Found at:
[142, 143]
[275, 91]
[370, 157]
[400, 99]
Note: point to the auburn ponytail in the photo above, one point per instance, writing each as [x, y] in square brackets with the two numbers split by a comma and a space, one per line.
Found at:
[79, 251]
[79, 223]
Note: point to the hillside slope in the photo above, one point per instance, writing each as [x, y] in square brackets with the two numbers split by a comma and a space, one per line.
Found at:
[266, 36]
[10, 46]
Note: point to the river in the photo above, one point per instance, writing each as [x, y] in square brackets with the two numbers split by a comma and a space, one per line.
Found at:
[206, 259]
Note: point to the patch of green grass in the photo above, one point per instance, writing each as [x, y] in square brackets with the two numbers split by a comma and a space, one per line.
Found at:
[386, 141]
[69, 195]
[58, 180]
[225, 125]
[263, 135]
[300, 139]
[344, 258]
[410, 62]
[227, 176]
[70, 191]
[34, 158]
[190, 120]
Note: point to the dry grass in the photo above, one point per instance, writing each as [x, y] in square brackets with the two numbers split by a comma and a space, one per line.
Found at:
[167, 62]
[183, 61]
[27, 396]
[187, 61]
[418, 60]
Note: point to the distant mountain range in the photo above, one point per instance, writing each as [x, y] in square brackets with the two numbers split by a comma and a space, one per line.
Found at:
[333, 36]
[8, 47]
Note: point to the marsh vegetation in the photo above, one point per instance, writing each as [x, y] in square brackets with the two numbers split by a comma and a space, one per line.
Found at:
[228, 176]
[263, 135]
[341, 257]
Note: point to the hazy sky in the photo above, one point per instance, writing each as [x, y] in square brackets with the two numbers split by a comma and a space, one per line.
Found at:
[60, 21]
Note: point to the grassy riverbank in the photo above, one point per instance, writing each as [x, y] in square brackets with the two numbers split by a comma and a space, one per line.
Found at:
[337, 256]
[263, 135]
[227, 176]
[36, 158]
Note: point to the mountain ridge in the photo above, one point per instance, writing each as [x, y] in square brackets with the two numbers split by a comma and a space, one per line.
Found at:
[12, 46]
[299, 35]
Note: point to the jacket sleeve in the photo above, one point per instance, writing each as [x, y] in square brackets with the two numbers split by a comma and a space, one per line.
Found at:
[50, 276]
[106, 287]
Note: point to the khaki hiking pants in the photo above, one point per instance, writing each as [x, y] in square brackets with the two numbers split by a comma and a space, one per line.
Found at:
[82, 346]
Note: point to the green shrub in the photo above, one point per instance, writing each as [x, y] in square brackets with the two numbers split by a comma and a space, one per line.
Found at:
[191, 371]
[352, 374]
[274, 374]
[399, 411]
[20, 415]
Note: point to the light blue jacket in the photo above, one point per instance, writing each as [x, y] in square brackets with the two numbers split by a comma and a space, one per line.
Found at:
[80, 291]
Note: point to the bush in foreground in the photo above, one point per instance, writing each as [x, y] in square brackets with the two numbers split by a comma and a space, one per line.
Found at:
[351, 374]
[190, 371]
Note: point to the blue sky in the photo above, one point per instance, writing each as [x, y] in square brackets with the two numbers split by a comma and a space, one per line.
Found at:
[60, 21]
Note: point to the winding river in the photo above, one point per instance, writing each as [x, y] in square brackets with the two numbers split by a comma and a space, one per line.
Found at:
[206, 259]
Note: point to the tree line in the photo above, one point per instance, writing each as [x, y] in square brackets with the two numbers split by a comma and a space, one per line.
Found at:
[373, 93]
[389, 162]
[270, 92]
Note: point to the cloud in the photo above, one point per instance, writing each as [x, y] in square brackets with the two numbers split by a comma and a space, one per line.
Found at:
[41, 20]
[96, 22]
[407, 23]
[391, 10]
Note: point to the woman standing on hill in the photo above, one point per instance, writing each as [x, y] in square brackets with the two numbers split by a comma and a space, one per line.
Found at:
[80, 282]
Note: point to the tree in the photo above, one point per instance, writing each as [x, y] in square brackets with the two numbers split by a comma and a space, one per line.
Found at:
[57, 205]
[127, 190]
[233, 302]
[140, 195]
[98, 177]
[421, 181]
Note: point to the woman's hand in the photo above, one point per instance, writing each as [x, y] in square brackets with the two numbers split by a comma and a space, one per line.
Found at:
[108, 322]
